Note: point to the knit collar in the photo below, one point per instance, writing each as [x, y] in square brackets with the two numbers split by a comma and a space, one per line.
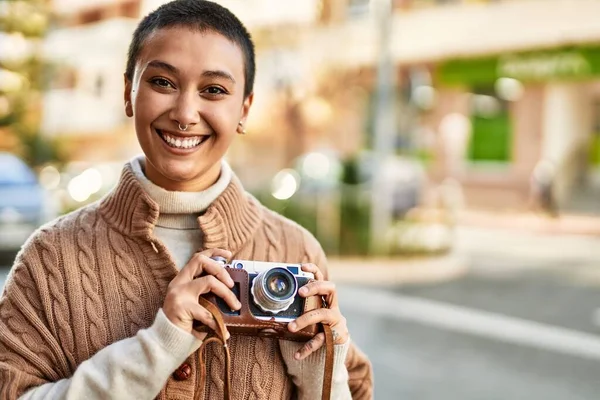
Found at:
[180, 210]
[228, 223]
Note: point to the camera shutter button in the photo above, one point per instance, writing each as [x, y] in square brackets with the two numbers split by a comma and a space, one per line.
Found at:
[183, 372]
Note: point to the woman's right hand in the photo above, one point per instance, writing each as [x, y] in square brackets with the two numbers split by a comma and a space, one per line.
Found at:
[199, 276]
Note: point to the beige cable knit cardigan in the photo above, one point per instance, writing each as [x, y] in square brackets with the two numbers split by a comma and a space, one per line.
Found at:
[98, 275]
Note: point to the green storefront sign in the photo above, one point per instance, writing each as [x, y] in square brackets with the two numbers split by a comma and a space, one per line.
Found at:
[539, 66]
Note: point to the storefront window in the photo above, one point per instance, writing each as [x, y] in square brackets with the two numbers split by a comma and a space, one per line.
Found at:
[490, 128]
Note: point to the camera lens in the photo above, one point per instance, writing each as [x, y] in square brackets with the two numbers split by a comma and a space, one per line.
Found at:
[274, 290]
[279, 285]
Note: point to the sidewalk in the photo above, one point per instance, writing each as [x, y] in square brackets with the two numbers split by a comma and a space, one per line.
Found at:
[396, 271]
[527, 237]
[568, 224]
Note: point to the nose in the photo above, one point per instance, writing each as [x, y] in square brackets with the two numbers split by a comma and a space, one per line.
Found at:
[186, 109]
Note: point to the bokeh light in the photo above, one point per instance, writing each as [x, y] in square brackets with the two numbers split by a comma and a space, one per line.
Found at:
[82, 186]
[49, 177]
[509, 89]
[285, 184]
[11, 82]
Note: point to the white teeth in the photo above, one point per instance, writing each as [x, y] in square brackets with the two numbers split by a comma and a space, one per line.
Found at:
[182, 143]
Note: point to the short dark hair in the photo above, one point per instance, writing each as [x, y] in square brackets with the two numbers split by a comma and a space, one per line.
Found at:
[199, 15]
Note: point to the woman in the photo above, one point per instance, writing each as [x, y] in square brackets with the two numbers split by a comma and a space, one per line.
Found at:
[100, 303]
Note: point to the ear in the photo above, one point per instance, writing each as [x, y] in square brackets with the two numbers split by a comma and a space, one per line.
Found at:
[127, 97]
[246, 107]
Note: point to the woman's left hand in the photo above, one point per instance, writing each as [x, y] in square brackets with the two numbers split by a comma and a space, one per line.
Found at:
[330, 316]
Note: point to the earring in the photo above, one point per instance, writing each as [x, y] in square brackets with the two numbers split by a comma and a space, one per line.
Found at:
[241, 129]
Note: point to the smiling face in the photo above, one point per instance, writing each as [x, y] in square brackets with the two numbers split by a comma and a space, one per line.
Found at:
[194, 81]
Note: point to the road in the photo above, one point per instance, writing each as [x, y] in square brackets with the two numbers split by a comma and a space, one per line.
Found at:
[442, 342]
[516, 325]
[523, 322]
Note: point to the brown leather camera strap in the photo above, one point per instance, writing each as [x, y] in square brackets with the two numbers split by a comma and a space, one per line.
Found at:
[328, 374]
[220, 338]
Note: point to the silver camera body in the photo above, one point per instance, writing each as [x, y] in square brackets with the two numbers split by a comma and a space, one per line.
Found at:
[274, 289]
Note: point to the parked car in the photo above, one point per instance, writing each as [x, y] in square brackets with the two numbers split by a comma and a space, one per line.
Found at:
[22, 205]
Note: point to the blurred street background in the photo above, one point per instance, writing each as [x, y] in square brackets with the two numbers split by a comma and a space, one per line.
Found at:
[446, 153]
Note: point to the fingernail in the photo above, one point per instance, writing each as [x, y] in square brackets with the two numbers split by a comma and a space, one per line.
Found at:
[297, 356]
[293, 326]
[238, 305]
[303, 290]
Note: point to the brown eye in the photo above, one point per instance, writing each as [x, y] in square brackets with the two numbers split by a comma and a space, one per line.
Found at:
[162, 83]
[215, 90]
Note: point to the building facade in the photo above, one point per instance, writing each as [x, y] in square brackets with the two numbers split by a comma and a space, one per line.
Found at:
[499, 95]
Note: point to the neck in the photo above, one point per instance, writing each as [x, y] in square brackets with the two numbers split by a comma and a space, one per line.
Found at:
[198, 184]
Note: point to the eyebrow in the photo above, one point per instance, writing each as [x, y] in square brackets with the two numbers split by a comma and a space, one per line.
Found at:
[163, 65]
[218, 74]
[209, 73]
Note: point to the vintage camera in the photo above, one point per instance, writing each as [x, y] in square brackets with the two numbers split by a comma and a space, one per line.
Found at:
[272, 289]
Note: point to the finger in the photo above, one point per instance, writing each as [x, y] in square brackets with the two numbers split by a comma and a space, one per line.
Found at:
[212, 267]
[211, 284]
[199, 335]
[312, 268]
[201, 263]
[323, 315]
[321, 288]
[310, 347]
[191, 269]
[226, 254]
[203, 316]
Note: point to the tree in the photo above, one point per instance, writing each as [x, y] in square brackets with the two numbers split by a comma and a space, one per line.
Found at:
[22, 77]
